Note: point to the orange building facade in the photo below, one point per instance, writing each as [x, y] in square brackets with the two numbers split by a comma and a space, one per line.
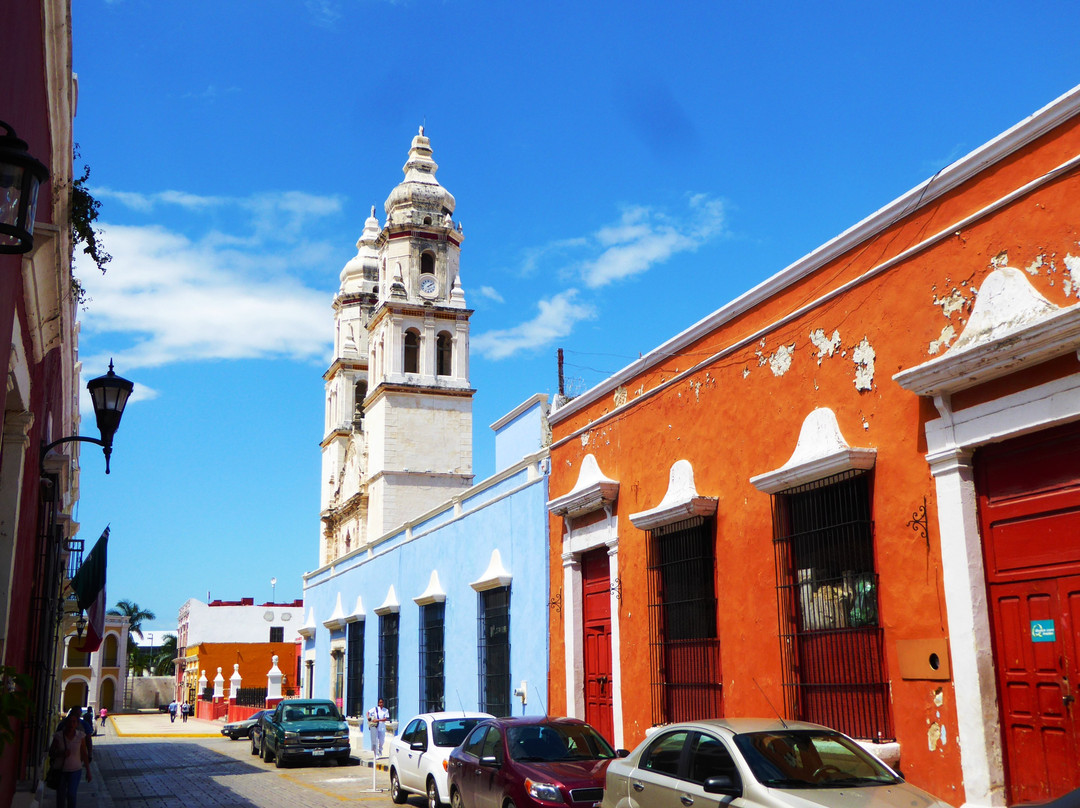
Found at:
[852, 495]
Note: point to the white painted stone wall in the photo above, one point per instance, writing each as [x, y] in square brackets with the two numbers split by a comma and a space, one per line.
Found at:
[207, 623]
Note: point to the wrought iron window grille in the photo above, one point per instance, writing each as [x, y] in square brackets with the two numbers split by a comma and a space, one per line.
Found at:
[493, 646]
[831, 643]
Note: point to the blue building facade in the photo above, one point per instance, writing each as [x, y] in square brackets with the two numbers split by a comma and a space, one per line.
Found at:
[451, 610]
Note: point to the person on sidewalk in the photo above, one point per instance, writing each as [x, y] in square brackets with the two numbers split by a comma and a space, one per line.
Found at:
[103, 714]
[185, 710]
[377, 718]
[172, 711]
[68, 751]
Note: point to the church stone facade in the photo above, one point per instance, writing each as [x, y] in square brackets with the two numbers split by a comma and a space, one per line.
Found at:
[398, 434]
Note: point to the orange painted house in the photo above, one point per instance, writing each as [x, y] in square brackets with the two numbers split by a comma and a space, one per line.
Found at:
[852, 495]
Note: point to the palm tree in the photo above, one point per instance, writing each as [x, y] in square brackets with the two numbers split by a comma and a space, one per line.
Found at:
[161, 664]
[136, 617]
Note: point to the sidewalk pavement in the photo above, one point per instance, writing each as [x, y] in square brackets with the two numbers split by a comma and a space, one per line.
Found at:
[95, 794]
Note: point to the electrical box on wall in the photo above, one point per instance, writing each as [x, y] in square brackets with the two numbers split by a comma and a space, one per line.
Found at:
[924, 659]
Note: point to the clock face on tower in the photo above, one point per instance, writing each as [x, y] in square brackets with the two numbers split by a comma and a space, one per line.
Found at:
[427, 284]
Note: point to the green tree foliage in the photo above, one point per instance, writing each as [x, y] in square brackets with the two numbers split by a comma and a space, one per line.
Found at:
[136, 617]
[14, 702]
[84, 212]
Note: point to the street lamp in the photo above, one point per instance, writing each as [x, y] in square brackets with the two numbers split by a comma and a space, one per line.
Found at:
[20, 178]
[150, 634]
[273, 590]
[110, 395]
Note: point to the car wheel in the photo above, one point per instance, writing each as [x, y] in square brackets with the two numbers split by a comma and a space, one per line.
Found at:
[279, 759]
[254, 748]
[433, 800]
[455, 800]
[265, 753]
[509, 804]
[396, 794]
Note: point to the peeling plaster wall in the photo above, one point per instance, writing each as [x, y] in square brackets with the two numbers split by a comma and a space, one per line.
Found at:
[740, 414]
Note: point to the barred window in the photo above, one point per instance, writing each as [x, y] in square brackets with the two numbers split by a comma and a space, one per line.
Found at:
[388, 661]
[684, 647]
[432, 672]
[830, 641]
[277, 633]
[354, 660]
[494, 650]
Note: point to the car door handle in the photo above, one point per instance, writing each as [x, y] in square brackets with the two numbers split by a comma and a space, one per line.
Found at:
[637, 785]
[686, 799]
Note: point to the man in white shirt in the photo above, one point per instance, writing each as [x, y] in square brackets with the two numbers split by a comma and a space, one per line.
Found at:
[377, 718]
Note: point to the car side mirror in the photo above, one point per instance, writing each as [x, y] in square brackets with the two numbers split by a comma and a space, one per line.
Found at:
[722, 784]
[489, 760]
[418, 746]
[621, 753]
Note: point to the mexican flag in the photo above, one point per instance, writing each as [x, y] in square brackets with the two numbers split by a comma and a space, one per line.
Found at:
[89, 587]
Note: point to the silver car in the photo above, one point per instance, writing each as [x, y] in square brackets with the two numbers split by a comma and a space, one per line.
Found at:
[767, 763]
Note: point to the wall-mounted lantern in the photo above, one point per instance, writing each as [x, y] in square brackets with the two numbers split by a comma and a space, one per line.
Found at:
[20, 178]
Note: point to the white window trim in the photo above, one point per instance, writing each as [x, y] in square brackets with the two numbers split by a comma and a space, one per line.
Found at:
[681, 501]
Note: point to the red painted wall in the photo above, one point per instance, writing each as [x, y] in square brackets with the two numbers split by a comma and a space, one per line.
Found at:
[735, 419]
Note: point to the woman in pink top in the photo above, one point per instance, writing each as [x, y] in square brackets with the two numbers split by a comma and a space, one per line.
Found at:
[68, 751]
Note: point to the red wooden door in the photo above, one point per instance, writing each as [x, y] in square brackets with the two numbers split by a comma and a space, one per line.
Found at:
[596, 624]
[1029, 503]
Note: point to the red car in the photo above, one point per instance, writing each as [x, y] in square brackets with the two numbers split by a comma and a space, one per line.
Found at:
[534, 762]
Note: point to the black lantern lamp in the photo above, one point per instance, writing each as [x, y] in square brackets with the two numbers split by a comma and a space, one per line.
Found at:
[110, 395]
[20, 178]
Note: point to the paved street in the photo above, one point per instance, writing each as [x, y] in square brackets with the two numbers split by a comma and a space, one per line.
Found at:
[147, 762]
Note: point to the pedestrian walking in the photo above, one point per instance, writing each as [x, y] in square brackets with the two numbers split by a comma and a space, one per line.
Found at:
[68, 751]
[172, 711]
[377, 718]
[103, 714]
[185, 710]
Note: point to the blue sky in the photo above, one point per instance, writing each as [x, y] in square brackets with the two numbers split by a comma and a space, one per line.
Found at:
[620, 170]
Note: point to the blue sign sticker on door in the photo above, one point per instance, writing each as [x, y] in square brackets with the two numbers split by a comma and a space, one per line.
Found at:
[1042, 631]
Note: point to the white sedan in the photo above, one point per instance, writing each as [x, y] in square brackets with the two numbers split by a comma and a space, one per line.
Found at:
[759, 763]
[418, 755]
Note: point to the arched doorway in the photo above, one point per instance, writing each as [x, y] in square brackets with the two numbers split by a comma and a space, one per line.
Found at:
[110, 651]
[107, 695]
[74, 694]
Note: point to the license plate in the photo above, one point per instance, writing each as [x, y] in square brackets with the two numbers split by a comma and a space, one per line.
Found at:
[317, 752]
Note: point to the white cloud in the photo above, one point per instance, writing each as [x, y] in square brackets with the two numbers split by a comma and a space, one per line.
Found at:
[490, 293]
[644, 237]
[168, 298]
[556, 318]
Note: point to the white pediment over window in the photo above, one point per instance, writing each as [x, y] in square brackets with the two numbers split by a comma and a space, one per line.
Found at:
[495, 574]
[592, 491]
[1011, 327]
[820, 452]
[681, 501]
[336, 620]
[357, 612]
[307, 631]
[434, 592]
[391, 605]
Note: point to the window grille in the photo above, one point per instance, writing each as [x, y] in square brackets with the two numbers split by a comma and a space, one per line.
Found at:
[494, 650]
[684, 647]
[830, 640]
[432, 676]
[388, 661]
[277, 633]
[354, 668]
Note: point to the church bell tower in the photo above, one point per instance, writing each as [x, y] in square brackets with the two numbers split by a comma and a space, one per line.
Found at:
[399, 403]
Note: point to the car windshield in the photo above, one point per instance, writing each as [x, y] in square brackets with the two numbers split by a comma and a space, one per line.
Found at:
[304, 712]
[452, 731]
[811, 759]
[549, 742]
